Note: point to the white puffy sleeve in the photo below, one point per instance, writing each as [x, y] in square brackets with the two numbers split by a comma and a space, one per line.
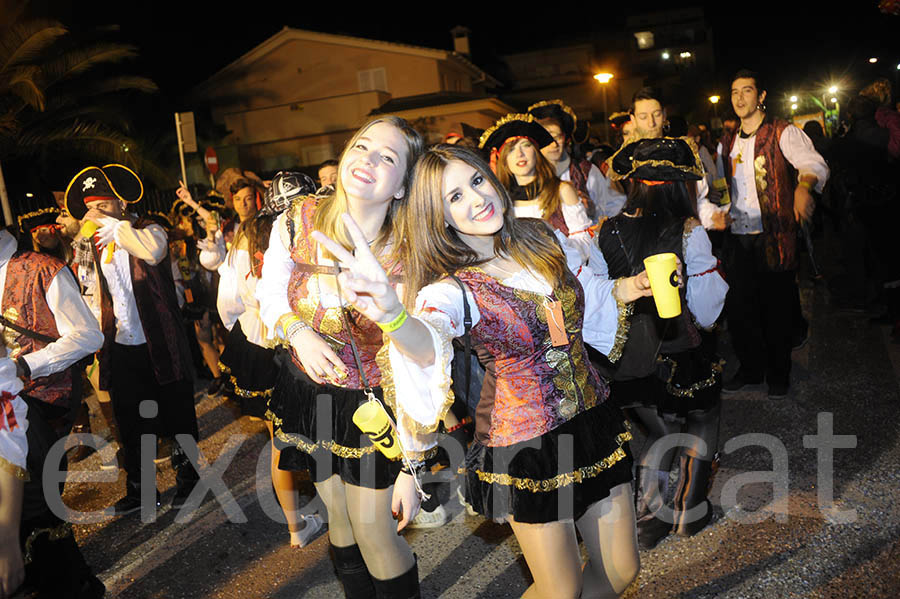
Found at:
[423, 394]
[13, 421]
[605, 326]
[798, 148]
[228, 299]
[271, 291]
[212, 251]
[706, 288]
[579, 225]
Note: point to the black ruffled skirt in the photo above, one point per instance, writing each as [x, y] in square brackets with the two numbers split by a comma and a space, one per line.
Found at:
[314, 429]
[250, 372]
[555, 477]
[686, 382]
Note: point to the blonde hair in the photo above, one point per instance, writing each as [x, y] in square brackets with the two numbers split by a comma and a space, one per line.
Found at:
[544, 187]
[432, 250]
[327, 218]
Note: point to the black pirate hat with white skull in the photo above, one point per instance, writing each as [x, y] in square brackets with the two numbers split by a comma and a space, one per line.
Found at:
[94, 183]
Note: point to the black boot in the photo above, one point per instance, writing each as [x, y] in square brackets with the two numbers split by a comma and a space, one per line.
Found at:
[186, 476]
[693, 511]
[651, 493]
[405, 586]
[350, 569]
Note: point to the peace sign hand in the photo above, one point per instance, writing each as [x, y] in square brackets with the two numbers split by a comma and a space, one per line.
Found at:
[364, 285]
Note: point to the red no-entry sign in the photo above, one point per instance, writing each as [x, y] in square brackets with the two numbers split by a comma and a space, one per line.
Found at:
[212, 161]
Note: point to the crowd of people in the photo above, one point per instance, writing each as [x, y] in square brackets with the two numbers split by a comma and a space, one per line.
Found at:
[486, 296]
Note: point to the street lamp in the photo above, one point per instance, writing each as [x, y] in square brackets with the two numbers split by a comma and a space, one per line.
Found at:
[793, 107]
[665, 56]
[714, 100]
[873, 60]
[603, 79]
[793, 98]
[833, 89]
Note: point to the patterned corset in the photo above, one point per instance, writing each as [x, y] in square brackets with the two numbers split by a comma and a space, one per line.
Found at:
[303, 295]
[304, 298]
[536, 386]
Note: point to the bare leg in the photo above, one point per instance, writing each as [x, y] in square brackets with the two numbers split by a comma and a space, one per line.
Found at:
[386, 553]
[203, 328]
[286, 489]
[609, 534]
[551, 551]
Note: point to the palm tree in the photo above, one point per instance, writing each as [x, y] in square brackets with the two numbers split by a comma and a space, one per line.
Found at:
[56, 100]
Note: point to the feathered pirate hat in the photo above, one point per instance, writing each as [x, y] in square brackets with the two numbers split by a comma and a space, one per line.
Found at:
[661, 159]
[113, 181]
[512, 126]
[556, 109]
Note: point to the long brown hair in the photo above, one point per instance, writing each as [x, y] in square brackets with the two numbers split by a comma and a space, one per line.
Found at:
[544, 187]
[327, 218]
[432, 250]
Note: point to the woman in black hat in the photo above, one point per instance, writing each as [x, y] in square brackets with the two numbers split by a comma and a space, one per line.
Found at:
[667, 372]
[514, 143]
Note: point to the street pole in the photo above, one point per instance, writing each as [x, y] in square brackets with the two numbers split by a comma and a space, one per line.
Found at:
[180, 148]
[4, 199]
[605, 115]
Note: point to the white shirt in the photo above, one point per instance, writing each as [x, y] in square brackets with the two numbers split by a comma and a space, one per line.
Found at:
[13, 442]
[744, 207]
[575, 217]
[236, 299]
[606, 198]
[79, 331]
[149, 244]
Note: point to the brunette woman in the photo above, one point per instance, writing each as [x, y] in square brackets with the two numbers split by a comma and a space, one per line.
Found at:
[515, 144]
[678, 392]
[336, 355]
[550, 453]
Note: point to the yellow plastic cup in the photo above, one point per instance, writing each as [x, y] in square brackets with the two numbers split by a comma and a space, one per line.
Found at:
[663, 272]
[373, 421]
[88, 228]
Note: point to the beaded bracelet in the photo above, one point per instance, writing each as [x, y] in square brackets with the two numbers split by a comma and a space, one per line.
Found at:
[390, 327]
[294, 328]
[285, 321]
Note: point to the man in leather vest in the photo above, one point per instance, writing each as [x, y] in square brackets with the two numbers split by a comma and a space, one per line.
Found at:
[769, 201]
[145, 360]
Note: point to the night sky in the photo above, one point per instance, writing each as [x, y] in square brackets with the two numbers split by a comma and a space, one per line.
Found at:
[802, 45]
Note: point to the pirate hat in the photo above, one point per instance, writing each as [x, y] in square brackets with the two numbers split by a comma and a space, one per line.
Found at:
[660, 159]
[113, 181]
[514, 126]
[556, 109]
[285, 186]
[36, 209]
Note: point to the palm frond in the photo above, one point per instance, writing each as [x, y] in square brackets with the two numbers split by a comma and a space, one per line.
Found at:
[82, 88]
[77, 61]
[25, 42]
[22, 82]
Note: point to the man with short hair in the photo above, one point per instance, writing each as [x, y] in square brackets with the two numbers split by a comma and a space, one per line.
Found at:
[648, 117]
[767, 206]
[328, 174]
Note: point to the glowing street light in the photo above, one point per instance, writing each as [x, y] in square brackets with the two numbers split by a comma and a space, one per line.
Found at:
[793, 107]
[833, 100]
[714, 99]
[873, 60]
[793, 98]
[604, 78]
[833, 89]
[685, 55]
[666, 55]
